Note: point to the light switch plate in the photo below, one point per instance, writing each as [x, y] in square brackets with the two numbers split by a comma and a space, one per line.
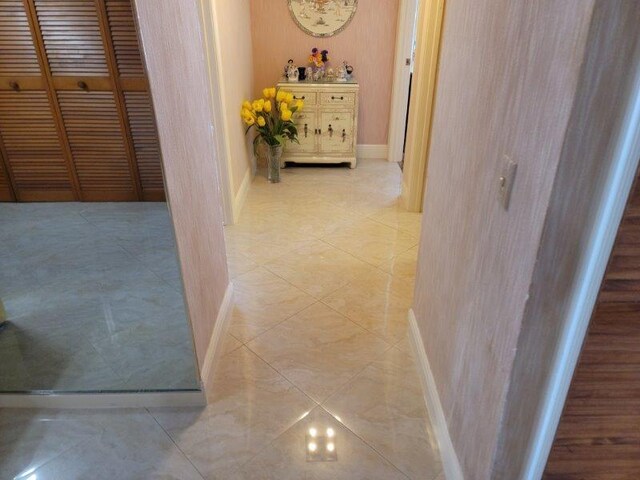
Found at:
[506, 180]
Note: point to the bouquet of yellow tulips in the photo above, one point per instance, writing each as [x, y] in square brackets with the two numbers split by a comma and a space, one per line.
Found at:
[272, 117]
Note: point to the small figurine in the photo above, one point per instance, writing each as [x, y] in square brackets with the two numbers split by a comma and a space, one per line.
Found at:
[287, 66]
[292, 72]
[308, 73]
[342, 74]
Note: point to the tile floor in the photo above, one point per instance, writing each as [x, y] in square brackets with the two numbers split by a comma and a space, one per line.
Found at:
[94, 299]
[323, 266]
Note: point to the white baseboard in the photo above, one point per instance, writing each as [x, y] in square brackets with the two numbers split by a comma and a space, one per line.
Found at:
[191, 398]
[241, 196]
[217, 337]
[450, 462]
[372, 151]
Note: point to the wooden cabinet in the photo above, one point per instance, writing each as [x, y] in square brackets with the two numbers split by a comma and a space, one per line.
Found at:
[328, 124]
[76, 120]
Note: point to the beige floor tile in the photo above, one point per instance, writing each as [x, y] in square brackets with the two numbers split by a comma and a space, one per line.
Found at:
[229, 344]
[318, 350]
[384, 405]
[262, 300]
[286, 457]
[319, 268]
[378, 302]
[398, 217]
[250, 405]
[238, 263]
[403, 265]
[266, 241]
[371, 241]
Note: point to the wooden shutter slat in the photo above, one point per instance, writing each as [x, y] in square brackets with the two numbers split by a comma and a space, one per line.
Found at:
[125, 38]
[32, 146]
[18, 56]
[146, 144]
[72, 39]
[97, 144]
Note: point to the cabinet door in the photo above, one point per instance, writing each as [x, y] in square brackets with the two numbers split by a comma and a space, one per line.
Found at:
[307, 124]
[337, 132]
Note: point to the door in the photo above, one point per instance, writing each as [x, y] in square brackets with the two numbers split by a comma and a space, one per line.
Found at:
[76, 119]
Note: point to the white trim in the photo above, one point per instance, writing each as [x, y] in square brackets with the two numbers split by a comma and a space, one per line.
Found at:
[401, 77]
[450, 462]
[241, 196]
[217, 337]
[584, 295]
[371, 151]
[194, 398]
[218, 125]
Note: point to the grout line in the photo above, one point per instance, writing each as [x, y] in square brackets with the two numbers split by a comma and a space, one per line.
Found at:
[176, 445]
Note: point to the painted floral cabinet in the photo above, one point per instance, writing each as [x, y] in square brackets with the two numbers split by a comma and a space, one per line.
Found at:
[328, 124]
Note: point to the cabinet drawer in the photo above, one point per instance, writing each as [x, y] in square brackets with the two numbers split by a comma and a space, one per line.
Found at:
[341, 98]
[309, 98]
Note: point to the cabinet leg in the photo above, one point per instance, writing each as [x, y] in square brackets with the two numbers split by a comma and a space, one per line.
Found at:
[352, 164]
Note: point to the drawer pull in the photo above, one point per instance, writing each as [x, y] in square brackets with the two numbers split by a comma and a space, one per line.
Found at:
[344, 135]
[336, 98]
[83, 86]
[14, 86]
[299, 98]
[337, 118]
[330, 130]
[306, 128]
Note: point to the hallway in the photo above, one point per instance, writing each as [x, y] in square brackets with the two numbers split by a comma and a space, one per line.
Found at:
[323, 266]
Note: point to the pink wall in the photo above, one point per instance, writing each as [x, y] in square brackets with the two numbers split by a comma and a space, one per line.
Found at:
[508, 77]
[174, 53]
[368, 43]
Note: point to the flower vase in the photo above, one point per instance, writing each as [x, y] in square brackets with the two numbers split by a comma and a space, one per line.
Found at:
[274, 158]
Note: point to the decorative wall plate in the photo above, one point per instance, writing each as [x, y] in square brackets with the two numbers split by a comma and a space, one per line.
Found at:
[322, 18]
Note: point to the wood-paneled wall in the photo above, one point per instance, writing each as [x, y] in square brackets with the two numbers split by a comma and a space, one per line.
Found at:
[76, 120]
[599, 432]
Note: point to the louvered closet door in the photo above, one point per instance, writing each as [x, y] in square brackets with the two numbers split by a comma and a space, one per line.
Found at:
[133, 83]
[31, 151]
[76, 51]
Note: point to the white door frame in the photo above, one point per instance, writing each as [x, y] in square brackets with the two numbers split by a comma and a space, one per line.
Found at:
[585, 293]
[423, 91]
[405, 35]
[211, 43]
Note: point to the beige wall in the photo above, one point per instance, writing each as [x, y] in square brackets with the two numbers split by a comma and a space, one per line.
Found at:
[509, 71]
[368, 43]
[232, 27]
[174, 53]
[612, 57]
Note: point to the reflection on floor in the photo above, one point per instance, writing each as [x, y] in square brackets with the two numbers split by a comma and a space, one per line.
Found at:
[93, 297]
[323, 266]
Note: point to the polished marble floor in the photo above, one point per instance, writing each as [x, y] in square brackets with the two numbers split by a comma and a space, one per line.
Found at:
[323, 266]
[93, 296]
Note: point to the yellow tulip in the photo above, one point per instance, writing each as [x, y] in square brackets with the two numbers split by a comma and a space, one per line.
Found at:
[246, 104]
[249, 121]
[299, 104]
[284, 107]
[246, 113]
[258, 105]
[261, 121]
[281, 96]
[272, 92]
[286, 115]
[289, 98]
[266, 93]
[267, 106]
